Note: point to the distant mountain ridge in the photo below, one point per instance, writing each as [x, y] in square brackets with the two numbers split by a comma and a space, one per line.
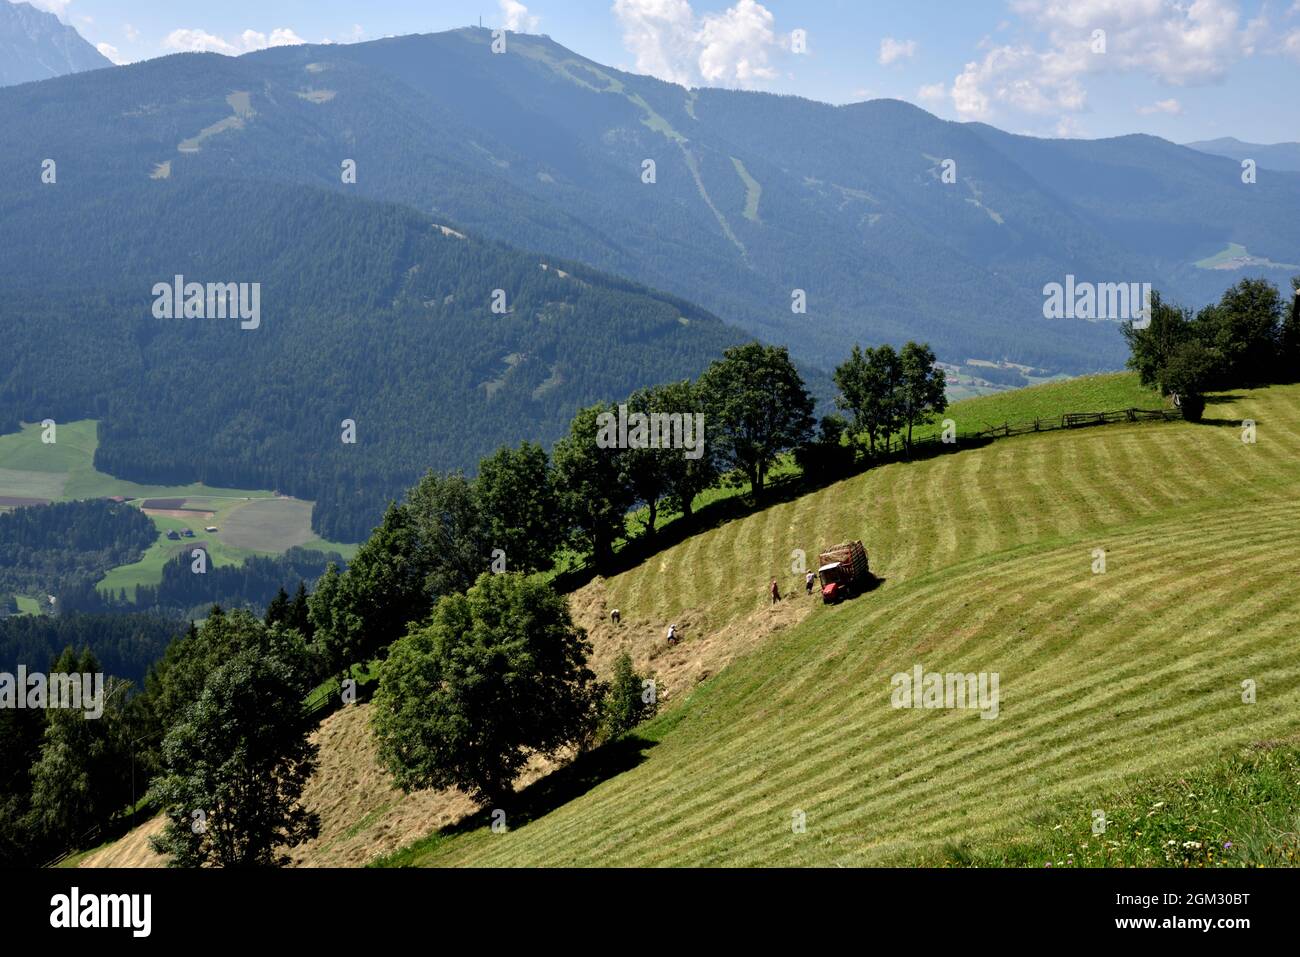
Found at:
[756, 203]
[1278, 156]
[35, 45]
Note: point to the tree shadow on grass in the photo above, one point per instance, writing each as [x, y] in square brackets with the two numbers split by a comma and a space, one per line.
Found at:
[562, 785]
[1222, 398]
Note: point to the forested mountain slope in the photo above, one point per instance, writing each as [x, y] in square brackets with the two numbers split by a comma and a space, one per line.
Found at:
[368, 312]
[754, 195]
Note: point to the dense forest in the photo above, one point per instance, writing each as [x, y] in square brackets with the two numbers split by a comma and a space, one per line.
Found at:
[68, 546]
[126, 645]
[369, 314]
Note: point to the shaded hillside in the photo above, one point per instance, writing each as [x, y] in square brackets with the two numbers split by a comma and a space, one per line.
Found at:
[369, 312]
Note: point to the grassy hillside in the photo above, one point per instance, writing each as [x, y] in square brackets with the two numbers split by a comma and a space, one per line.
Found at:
[987, 558]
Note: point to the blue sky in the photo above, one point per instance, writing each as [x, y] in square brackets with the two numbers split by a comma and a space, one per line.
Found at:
[1182, 69]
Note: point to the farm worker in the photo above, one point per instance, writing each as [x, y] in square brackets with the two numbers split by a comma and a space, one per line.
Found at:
[672, 634]
[614, 616]
[776, 592]
[808, 582]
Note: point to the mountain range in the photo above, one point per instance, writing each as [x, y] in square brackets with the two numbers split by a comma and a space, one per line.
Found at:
[1279, 156]
[35, 45]
[381, 193]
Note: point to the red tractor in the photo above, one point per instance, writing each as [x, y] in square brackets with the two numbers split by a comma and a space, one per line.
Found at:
[843, 571]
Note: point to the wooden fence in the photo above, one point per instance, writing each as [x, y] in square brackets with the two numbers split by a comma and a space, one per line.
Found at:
[1070, 420]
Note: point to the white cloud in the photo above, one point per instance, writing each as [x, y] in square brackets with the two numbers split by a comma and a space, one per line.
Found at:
[1180, 42]
[736, 44]
[661, 35]
[1019, 78]
[892, 50]
[57, 7]
[132, 34]
[197, 41]
[730, 48]
[1175, 42]
[516, 18]
[200, 41]
[932, 93]
[1291, 44]
[1170, 106]
[280, 37]
[1069, 127]
[110, 51]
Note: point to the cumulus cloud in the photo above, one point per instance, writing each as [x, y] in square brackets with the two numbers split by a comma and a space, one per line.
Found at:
[1020, 78]
[1170, 106]
[735, 45]
[669, 40]
[57, 7]
[516, 18]
[132, 34]
[1291, 44]
[1176, 42]
[1069, 127]
[281, 37]
[200, 41]
[110, 51]
[933, 93]
[892, 50]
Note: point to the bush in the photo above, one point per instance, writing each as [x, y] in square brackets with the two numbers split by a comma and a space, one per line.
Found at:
[628, 700]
